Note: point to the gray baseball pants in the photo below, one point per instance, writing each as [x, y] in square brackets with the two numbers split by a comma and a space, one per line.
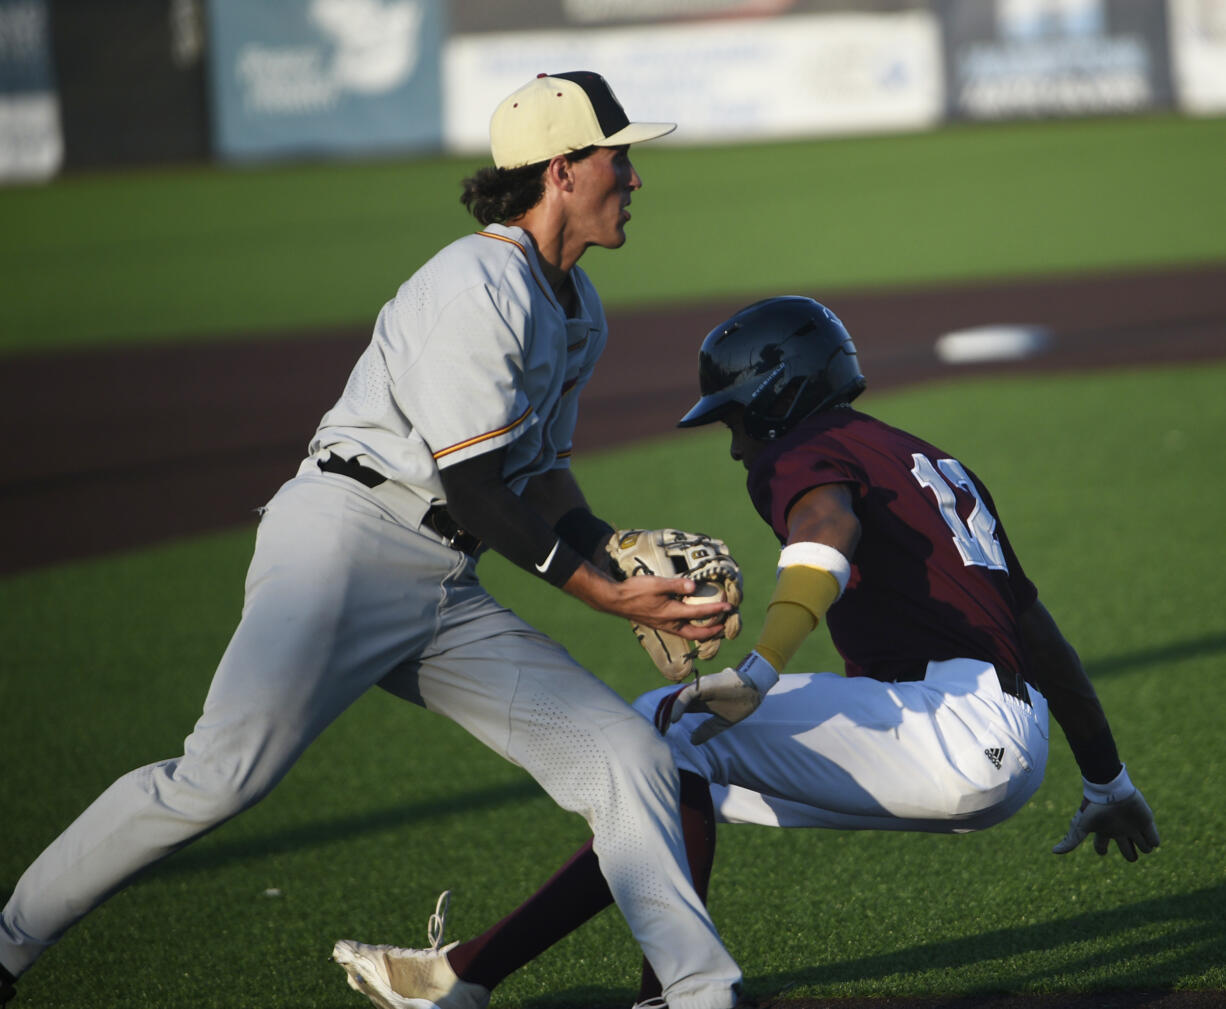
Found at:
[344, 592]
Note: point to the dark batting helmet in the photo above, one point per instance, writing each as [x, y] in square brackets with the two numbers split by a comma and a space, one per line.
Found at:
[781, 359]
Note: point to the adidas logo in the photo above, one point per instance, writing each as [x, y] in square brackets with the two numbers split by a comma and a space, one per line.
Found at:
[996, 755]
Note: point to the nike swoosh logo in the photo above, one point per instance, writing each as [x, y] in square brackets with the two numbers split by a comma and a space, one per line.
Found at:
[542, 568]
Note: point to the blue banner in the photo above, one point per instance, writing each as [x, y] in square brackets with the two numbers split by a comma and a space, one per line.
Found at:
[310, 77]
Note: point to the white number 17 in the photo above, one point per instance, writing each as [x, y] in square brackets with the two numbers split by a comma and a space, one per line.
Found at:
[975, 538]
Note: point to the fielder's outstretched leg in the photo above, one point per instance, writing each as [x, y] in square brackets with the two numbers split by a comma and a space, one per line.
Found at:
[299, 657]
[575, 894]
[593, 755]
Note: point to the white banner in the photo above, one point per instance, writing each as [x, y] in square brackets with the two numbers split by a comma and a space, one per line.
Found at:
[31, 141]
[721, 81]
[1198, 50]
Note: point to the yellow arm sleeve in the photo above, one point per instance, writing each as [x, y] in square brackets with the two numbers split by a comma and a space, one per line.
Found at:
[801, 598]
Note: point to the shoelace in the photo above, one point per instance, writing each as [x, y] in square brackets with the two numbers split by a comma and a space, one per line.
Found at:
[437, 924]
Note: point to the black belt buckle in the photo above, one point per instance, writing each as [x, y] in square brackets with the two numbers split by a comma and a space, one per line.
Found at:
[440, 520]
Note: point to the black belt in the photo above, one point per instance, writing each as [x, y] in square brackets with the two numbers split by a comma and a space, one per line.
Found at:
[437, 518]
[1011, 683]
[352, 469]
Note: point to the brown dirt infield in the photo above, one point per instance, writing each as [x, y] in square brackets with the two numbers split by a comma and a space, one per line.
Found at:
[130, 446]
[133, 445]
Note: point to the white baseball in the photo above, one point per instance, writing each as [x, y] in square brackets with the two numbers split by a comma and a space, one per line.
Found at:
[706, 592]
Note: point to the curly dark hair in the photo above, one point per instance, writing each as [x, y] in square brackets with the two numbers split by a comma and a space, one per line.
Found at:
[497, 195]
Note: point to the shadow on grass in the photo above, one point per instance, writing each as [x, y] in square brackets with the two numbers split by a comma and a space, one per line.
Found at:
[1162, 655]
[1176, 937]
[319, 833]
[1092, 945]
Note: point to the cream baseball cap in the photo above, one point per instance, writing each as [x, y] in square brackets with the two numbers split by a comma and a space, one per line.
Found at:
[558, 113]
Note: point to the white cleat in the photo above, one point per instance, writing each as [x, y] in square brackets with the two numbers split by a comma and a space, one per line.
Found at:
[395, 978]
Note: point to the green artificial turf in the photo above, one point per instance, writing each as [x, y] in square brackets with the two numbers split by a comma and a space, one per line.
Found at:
[213, 252]
[1110, 488]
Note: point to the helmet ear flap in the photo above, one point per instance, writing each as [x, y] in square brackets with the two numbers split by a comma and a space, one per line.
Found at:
[768, 412]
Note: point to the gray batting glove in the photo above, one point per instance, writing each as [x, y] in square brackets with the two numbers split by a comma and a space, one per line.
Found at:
[1128, 821]
[728, 697]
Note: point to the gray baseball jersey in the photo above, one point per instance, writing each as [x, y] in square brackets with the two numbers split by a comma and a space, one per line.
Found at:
[472, 354]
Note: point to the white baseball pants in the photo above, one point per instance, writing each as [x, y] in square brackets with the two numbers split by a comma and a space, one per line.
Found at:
[344, 593]
[947, 754]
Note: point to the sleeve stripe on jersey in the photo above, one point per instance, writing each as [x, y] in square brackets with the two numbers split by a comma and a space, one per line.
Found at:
[545, 289]
[483, 437]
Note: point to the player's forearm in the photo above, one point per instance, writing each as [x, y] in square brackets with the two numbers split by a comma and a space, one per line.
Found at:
[554, 493]
[558, 497]
[1088, 732]
[594, 587]
[483, 505]
[1071, 698]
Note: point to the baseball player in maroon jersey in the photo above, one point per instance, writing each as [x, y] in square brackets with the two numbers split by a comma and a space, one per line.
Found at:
[452, 436]
[952, 662]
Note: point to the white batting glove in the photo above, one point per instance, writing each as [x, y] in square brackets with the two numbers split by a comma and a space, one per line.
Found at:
[728, 697]
[1113, 812]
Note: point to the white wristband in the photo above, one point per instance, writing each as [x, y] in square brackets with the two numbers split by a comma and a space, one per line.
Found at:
[817, 555]
[755, 670]
[1119, 787]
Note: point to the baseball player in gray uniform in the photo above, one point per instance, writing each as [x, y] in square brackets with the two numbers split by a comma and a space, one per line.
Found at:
[952, 663]
[453, 435]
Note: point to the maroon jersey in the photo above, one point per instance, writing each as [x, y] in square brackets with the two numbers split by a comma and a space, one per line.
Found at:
[934, 576]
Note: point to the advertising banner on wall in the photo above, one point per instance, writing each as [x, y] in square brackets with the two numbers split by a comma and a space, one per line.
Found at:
[722, 81]
[31, 145]
[469, 16]
[306, 77]
[1009, 59]
[1198, 51]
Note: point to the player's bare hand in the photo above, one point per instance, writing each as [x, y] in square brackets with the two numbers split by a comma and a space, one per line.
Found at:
[1129, 822]
[658, 602]
[651, 601]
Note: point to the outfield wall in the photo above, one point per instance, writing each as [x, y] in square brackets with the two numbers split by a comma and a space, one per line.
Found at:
[86, 83]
